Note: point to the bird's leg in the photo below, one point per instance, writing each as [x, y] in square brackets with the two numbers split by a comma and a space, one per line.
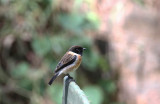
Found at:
[70, 78]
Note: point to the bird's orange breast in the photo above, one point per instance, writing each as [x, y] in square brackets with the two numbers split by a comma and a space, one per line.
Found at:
[78, 62]
[75, 65]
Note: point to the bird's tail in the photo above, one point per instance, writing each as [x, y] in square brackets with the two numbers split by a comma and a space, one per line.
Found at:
[53, 78]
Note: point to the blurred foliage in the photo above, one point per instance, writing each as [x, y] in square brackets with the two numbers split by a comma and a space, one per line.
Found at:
[34, 34]
[95, 94]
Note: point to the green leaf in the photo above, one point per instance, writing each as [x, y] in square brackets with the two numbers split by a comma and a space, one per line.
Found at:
[94, 94]
[20, 70]
[55, 92]
[41, 45]
[93, 18]
[81, 40]
[26, 84]
[110, 87]
[92, 58]
[71, 21]
[103, 63]
[59, 44]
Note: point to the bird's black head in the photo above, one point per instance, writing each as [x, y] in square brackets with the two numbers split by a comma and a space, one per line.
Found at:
[77, 49]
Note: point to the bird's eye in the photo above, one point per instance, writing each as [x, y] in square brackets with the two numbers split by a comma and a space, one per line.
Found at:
[77, 50]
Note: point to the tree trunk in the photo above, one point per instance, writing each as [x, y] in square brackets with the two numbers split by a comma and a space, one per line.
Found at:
[134, 37]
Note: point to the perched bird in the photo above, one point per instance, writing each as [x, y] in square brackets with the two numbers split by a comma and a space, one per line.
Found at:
[69, 62]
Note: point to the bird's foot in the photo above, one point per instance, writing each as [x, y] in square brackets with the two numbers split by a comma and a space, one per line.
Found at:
[70, 78]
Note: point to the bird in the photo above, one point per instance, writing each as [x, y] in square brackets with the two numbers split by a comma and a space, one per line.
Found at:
[69, 62]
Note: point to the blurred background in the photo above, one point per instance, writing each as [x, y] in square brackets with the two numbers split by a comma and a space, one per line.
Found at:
[120, 66]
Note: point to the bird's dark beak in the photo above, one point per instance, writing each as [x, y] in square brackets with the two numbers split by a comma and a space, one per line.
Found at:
[84, 48]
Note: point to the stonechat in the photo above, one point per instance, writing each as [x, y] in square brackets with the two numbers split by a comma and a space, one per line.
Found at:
[69, 62]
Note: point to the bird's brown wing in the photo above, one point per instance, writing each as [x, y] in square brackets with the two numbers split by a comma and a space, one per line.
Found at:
[66, 60]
